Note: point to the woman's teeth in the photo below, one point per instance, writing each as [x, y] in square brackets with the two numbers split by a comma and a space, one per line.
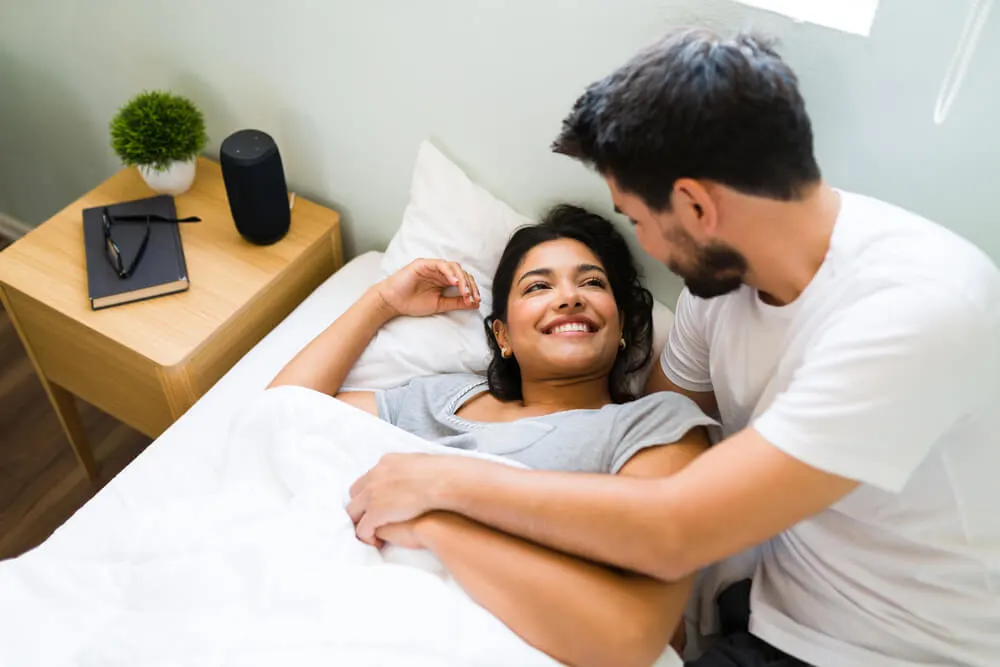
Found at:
[571, 326]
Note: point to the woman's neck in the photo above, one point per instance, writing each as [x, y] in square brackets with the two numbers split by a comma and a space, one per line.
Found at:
[547, 396]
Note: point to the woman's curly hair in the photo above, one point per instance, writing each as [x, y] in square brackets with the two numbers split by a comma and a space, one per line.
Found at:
[634, 301]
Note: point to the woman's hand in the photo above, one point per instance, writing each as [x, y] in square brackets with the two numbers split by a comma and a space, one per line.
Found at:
[418, 288]
[407, 534]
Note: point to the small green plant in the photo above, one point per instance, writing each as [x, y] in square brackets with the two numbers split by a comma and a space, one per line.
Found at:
[156, 128]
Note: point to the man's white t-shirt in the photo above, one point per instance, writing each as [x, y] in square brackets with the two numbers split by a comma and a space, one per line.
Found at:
[886, 370]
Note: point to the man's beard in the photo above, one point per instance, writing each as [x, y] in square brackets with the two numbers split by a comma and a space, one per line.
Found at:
[718, 270]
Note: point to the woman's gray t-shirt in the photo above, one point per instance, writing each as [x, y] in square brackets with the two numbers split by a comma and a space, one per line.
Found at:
[599, 441]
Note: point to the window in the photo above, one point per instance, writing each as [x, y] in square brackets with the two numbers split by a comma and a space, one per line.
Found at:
[854, 16]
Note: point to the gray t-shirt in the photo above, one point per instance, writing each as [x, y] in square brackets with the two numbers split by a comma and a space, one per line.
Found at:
[599, 441]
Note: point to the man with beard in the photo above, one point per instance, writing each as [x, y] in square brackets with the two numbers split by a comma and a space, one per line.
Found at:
[851, 350]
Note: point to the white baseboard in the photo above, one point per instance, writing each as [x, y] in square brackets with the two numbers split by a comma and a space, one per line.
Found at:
[12, 228]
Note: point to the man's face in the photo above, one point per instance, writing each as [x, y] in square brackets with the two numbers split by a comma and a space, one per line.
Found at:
[709, 268]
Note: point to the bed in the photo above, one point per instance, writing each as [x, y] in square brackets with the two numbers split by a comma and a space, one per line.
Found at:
[154, 532]
[154, 571]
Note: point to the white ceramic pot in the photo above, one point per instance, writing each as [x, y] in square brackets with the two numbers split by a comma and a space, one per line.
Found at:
[173, 180]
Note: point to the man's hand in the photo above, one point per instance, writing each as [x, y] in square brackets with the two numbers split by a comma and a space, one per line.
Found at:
[402, 487]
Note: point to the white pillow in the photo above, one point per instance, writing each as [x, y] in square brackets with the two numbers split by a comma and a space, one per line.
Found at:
[448, 217]
[452, 218]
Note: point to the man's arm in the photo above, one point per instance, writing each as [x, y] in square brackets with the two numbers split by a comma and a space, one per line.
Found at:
[578, 612]
[872, 397]
[658, 381]
[686, 356]
[739, 493]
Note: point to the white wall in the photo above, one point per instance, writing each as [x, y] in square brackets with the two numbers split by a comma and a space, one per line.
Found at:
[349, 88]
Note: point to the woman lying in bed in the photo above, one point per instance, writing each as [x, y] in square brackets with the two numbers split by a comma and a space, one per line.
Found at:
[570, 323]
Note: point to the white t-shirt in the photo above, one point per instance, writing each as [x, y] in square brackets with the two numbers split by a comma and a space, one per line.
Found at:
[886, 370]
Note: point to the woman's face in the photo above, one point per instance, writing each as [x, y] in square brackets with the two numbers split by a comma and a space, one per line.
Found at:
[562, 319]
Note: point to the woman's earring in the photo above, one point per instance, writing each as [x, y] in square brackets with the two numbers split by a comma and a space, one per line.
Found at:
[622, 343]
[505, 352]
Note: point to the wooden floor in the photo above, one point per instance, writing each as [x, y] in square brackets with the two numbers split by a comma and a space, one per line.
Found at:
[41, 484]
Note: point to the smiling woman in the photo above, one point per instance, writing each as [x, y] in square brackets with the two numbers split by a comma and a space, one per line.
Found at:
[570, 322]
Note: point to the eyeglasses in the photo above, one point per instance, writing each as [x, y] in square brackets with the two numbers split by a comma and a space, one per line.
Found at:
[114, 253]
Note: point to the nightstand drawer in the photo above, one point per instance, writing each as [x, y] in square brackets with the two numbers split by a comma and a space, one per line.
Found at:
[113, 378]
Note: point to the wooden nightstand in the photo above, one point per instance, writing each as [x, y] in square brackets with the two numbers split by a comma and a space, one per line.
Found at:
[146, 363]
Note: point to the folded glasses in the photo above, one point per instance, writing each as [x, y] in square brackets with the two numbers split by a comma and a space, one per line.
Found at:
[114, 253]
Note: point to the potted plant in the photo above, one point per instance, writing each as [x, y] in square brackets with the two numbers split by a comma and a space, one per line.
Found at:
[162, 134]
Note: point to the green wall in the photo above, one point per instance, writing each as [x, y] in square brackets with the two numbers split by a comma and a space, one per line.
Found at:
[349, 88]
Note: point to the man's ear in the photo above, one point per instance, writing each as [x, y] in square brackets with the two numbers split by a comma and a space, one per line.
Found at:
[693, 204]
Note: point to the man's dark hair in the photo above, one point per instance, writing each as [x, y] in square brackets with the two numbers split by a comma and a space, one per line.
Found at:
[695, 105]
[634, 301]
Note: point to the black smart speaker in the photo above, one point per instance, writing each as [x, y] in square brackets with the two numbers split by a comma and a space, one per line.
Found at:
[255, 186]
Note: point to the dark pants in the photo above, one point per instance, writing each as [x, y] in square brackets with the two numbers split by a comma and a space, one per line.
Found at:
[736, 647]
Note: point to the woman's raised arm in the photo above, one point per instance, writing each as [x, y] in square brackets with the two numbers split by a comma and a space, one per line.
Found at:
[418, 289]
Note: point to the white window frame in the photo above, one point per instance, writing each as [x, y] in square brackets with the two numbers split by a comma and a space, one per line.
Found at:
[853, 16]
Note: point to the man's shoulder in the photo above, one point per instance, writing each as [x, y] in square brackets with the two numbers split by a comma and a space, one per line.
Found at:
[878, 247]
[878, 241]
[947, 327]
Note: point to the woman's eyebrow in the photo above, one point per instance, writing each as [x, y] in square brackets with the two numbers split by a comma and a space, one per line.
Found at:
[535, 272]
[587, 268]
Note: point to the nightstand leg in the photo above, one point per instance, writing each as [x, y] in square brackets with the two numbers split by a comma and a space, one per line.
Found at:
[62, 402]
[69, 417]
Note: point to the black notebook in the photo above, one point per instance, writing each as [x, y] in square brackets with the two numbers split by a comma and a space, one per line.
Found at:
[161, 270]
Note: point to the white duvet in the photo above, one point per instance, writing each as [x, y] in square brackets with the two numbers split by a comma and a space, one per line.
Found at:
[261, 568]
